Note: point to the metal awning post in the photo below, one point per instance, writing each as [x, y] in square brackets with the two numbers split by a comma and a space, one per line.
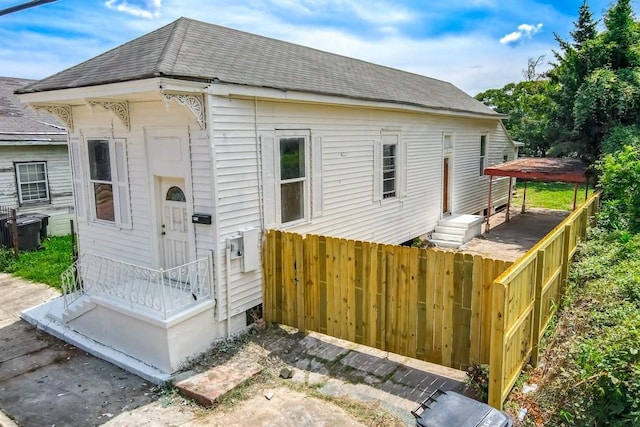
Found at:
[489, 204]
[507, 217]
[575, 194]
[524, 197]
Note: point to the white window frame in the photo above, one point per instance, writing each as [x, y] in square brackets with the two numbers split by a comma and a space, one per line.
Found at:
[391, 195]
[306, 179]
[119, 183]
[19, 183]
[448, 150]
[484, 138]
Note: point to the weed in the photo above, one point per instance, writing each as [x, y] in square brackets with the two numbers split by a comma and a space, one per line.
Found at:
[478, 381]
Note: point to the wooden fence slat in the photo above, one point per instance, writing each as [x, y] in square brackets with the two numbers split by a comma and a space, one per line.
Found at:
[537, 309]
[382, 297]
[331, 286]
[447, 312]
[496, 370]
[475, 336]
[421, 319]
[438, 328]
[413, 255]
[430, 307]
[391, 336]
[371, 290]
[312, 294]
[350, 295]
[300, 282]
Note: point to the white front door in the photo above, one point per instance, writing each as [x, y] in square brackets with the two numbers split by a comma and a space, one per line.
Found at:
[175, 222]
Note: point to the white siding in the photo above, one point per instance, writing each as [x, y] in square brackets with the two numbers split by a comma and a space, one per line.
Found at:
[349, 208]
[469, 188]
[138, 245]
[58, 176]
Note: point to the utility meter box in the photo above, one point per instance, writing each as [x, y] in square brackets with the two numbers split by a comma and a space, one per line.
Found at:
[246, 246]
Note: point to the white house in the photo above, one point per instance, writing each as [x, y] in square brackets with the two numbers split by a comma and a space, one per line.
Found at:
[189, 141]
[35, 173]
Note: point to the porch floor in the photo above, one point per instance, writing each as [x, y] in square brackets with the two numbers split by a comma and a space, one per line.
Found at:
[510, 240]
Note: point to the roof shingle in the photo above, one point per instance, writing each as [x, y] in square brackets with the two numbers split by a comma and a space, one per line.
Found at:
[19, 122]
[194, 50]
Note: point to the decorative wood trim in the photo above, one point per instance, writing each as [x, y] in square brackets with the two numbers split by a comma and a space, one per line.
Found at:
[119, 108]
[62, 112]
[193, 103]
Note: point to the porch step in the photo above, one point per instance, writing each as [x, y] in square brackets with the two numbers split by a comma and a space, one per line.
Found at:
[459, 231]
[82, 306]
[455, 230]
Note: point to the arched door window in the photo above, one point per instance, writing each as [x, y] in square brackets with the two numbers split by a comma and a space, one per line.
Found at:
[175, 194]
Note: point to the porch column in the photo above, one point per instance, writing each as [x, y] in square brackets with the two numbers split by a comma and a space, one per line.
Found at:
[489, 204]
[524, 196]
[507, 217]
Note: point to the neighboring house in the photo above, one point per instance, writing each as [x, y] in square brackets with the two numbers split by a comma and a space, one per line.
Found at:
[189, 141]
[35, 173]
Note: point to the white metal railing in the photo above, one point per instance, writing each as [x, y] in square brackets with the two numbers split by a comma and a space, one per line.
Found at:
[163, 291]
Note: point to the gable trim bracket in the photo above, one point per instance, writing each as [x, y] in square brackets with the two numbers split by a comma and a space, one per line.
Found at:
[62, 112]
[119, 108]
[193, 103]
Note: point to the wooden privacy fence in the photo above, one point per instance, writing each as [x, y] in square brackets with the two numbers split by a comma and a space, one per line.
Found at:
[422, 303]
[526, 296]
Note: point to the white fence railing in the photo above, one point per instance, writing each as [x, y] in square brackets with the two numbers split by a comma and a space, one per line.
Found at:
[163, 291]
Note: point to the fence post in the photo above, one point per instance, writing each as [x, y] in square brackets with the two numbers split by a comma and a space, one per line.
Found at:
[14, 233]
[496, 352]
[300, 254]
[566, 258]
[537, 307]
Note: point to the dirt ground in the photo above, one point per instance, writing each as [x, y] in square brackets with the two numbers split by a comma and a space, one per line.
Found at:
[510, 240]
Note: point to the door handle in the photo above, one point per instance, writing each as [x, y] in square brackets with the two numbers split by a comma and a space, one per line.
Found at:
[163, 233]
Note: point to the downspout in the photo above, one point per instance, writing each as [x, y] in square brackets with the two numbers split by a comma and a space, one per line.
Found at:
[216, 220]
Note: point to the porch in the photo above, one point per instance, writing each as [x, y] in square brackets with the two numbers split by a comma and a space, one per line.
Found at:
[147, 320]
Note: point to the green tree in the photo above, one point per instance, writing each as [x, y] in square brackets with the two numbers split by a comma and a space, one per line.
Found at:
[620, 183]
[598, 81]
[528, 106]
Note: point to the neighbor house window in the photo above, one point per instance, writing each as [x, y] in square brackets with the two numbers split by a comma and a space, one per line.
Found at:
[108, 182]
[32, 182]
[389, 165]
[293, 178]
[483, 153]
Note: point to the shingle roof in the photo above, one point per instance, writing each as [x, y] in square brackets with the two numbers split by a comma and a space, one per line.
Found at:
[20, 123]
[194, 50]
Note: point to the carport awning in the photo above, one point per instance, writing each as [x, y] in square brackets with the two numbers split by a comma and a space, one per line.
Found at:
[542, 169]
[538, 169]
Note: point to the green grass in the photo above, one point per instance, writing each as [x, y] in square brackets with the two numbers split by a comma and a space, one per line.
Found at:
[44, 266]
[550, 195]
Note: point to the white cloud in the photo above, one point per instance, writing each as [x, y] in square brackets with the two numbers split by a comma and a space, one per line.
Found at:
[524, 30]
[148, 9]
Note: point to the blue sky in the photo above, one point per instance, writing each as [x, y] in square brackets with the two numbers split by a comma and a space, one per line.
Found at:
[474, 44]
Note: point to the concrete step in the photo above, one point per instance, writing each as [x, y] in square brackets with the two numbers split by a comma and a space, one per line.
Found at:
[77, 309]
[445, 243]
[460, 231]
[448, 237]
[461, 221]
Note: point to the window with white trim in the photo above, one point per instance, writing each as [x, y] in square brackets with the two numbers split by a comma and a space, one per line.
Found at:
[32, 182]
[389, 168]
[483, 154]
[294, 177]
[108, 182]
